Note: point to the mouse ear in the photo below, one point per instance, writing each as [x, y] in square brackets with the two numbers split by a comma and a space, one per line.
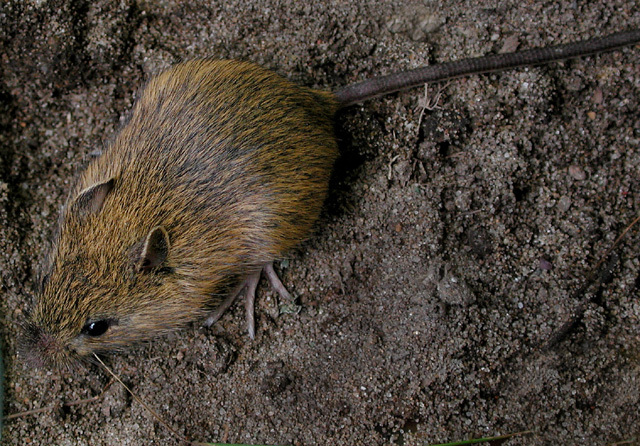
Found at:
[155, 249]
[91, 199]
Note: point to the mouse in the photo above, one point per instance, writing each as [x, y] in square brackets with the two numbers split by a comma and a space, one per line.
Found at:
[221, 168]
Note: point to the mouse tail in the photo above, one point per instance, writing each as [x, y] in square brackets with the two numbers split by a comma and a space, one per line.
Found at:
[368, 89]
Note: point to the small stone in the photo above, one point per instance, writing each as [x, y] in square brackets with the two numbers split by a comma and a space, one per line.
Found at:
[510, 44]
[564, 203]
[597, 96]
[545, 265]
[577, 173]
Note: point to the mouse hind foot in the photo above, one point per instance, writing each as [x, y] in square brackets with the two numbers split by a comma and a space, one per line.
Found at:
[250, 284]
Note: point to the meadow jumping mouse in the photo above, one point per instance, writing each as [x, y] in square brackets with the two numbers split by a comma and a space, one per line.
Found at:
[222, 167]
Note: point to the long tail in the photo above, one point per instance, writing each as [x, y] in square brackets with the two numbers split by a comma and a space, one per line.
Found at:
[361, 91]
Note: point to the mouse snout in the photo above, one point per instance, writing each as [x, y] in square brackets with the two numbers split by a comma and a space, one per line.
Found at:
[41, 348]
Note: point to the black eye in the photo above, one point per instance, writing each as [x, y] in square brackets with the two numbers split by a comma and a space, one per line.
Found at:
[96, 328]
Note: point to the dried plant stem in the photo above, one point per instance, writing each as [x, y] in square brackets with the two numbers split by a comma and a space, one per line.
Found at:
[56, 406]
[143, 404]
[591, 278]
[484, 440]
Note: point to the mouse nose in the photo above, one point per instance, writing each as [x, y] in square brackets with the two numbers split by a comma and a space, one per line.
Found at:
[40, 347]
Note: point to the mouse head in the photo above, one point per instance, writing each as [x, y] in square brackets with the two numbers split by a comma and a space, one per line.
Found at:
[108, 283]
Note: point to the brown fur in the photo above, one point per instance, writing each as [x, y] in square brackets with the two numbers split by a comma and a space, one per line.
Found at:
[230, 160]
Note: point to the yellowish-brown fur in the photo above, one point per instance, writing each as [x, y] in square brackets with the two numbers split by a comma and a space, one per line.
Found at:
[231, 159]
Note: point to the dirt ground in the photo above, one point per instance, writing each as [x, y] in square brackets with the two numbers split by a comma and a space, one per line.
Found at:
[450, 290]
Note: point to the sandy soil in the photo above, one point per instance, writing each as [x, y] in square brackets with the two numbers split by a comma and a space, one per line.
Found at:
[455, 246]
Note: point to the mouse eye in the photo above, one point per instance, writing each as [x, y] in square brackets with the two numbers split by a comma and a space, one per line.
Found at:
[96, 328]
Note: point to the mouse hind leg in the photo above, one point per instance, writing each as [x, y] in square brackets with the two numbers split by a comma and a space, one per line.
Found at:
[250, 284]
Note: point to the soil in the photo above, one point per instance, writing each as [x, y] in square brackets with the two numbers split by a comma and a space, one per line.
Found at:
[452, 288]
